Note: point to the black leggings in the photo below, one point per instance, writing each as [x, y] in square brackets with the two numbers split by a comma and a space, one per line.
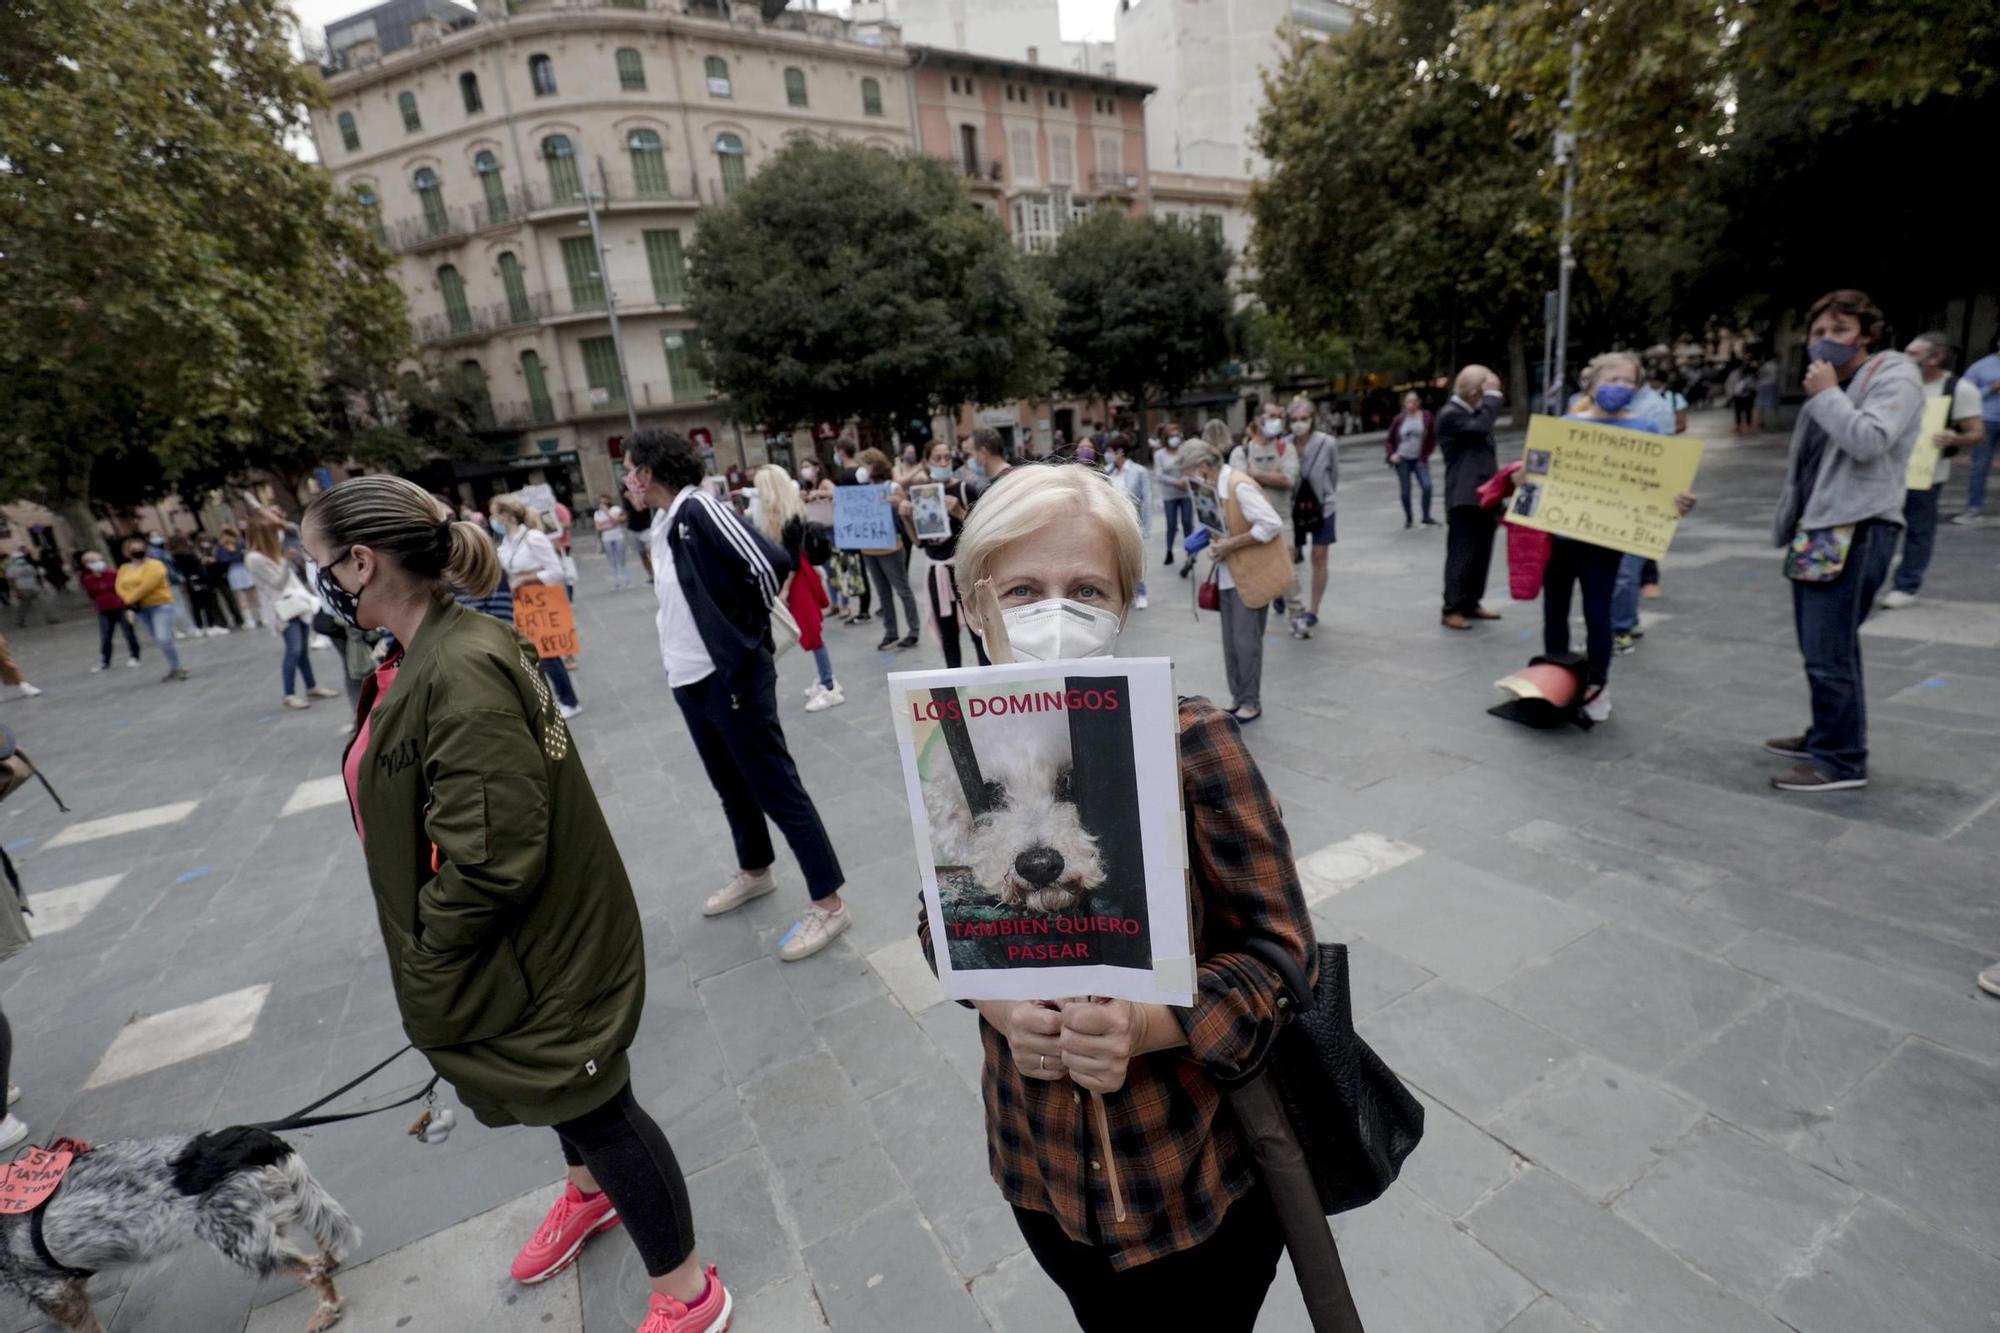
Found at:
[6, 1057]
[947, 618]
[1218, 1286]
[1746, 410]
[1595, 568]
[631, 1161]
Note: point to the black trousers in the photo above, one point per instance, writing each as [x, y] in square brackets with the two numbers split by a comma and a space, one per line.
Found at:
[630, 1159]
[1216, 1287]
[1595, 569]
[1468, 554]
[108, 624]
[735, 728]
[947, 617]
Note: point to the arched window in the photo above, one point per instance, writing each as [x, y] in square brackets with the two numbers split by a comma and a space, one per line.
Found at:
[718, 76]
[1022, 147]
[795, 86]
[631, 70]
[871, 98]
[468, 88]
[565, 181]
[350, 137]
[406, 102]
[542, 75]
[431, 195]
[729, 156]
[539, 406]
[456, 313]
[649, 164]
[519, 309]
[495, 188]
[371, 203]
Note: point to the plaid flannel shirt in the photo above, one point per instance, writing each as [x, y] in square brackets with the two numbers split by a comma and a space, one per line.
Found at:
[1181, 1160]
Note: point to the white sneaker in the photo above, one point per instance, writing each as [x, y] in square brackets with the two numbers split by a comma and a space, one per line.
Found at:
[13, 1130]
[1139, 602]
[297, 701]
[814, 931]
[321, 642]
[180, 634]
[28, 691]
[131, 661]
[1598, 707]
[813, 689]
[1898, 599]
[215, 630]
[1971, 518]
[568, 711]
[322, 692]
[744, 886]
[13, 1093]
[101, 666]
[826, 699]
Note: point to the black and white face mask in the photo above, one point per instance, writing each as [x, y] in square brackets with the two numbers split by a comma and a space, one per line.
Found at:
[345, 604]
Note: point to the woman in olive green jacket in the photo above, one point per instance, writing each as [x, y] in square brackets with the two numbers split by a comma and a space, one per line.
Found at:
[513, 938]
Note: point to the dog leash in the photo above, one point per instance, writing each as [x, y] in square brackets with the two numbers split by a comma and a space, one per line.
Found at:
[303, 1118]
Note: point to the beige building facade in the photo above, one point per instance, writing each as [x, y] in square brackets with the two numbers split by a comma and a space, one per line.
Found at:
[476, 143]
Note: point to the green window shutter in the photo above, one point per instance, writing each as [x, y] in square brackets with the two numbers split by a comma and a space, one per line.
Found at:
[631, 70]
[649, 165]
[685, 380]
[586, 281]
[871, 98]
[539, 405]
[455, 310]
[495, 187]
[350, 137]
[519, 309]
[437, 221]
[478, 397]
[795, 87]
[565, 181]
[407, 104]
[729, 160]
[600, 371]
[668, 266]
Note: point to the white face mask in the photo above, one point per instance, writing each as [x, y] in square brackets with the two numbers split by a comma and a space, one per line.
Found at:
[1301, 427]
[1273, 428]
[861, 476]
[1058, 629]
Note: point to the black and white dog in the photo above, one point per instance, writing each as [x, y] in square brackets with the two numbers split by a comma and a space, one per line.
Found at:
[244, 1191]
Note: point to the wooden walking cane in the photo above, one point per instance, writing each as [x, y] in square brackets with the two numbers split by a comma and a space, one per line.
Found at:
[993, 632]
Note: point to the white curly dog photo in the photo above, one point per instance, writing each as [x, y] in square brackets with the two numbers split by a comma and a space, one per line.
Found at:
[1026, 844]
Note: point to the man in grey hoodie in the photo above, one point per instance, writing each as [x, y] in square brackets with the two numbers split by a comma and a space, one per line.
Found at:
[1840, 513]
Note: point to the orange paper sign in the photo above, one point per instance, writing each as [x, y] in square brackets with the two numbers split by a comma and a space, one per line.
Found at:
[543, 614]
[28, 1180]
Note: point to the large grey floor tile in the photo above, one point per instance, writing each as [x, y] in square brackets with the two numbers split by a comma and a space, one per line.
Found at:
[1631, 997]
[1456, 1164]
[885, 1271]
[1497, 926]
[821, 1146]
[1605, 1271]
[1410, 1268]
[921, 1126]
[1882, 1271]
[1783, 1067]
[1741, 1211]
[755, 1017]
[1596, 1124]
[1963, 1019]
[1546, 1315]
[1921, 1128]
[1018, 1297]
[1466, 1051]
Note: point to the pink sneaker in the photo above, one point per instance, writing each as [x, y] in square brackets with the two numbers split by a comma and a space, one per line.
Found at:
[574, 1219]
[710, 1314]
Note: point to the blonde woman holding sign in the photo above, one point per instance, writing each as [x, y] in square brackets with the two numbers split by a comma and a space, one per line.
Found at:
[1188, 1237]
[530, 558]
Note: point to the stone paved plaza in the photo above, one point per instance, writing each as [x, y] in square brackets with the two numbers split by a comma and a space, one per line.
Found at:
[1698, 1057]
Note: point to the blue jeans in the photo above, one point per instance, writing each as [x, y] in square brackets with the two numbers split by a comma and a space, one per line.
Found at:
[1828, 617]
[558, 675]
[1417, 467]
[160, 624]
[614, 555]
[1920, 518]
[298, 660]
[1982, 468]
[1625, 594]
[824, 660]
[1180, 510]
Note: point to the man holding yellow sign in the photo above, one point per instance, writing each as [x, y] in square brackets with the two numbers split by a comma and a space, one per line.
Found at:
[1951, 422]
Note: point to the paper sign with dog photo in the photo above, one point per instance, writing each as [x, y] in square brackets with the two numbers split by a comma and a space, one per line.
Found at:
[928, 513]
[1207, 506]
[1045, 799]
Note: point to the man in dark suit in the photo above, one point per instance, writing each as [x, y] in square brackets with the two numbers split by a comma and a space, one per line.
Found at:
[1465, 437]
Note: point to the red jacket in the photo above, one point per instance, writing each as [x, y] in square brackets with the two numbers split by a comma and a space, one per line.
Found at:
[1430, 436]
[103, 590]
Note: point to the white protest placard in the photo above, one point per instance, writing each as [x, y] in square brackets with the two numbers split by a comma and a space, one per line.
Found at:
[1045, 800]
[1924, 457]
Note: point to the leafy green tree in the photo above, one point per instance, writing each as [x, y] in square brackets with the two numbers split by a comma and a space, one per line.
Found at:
[1404, 207]
[1143, 306]
[175, 286]
[845, 282]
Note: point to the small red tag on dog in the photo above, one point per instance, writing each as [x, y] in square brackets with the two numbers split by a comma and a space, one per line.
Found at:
[28, 1180]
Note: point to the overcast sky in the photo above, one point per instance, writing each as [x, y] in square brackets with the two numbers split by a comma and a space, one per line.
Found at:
[1080, 18]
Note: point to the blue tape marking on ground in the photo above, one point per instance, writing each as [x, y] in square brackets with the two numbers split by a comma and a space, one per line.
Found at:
[196, 873]
[1935, 683]
[18, 844]
[1527, 634]
[268, 717]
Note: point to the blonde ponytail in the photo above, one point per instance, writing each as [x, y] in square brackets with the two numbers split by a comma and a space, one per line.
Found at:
[473, 567]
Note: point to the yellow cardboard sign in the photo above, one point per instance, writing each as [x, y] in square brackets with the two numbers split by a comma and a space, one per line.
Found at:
[1924, 458]
[1603, 484]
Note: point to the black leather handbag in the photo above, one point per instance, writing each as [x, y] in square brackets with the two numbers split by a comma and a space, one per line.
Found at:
[1354, 1119]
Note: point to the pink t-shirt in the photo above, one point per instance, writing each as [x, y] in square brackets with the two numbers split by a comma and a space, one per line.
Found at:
[385, 677]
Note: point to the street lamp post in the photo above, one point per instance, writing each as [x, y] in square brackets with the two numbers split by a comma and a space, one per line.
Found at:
[610, 295]
[1566, 159]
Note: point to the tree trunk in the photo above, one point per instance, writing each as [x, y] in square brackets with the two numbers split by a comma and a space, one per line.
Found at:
[1517, 373]
[83, 526]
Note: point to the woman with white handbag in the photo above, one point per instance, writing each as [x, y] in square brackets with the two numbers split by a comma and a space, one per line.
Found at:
[291, 605]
